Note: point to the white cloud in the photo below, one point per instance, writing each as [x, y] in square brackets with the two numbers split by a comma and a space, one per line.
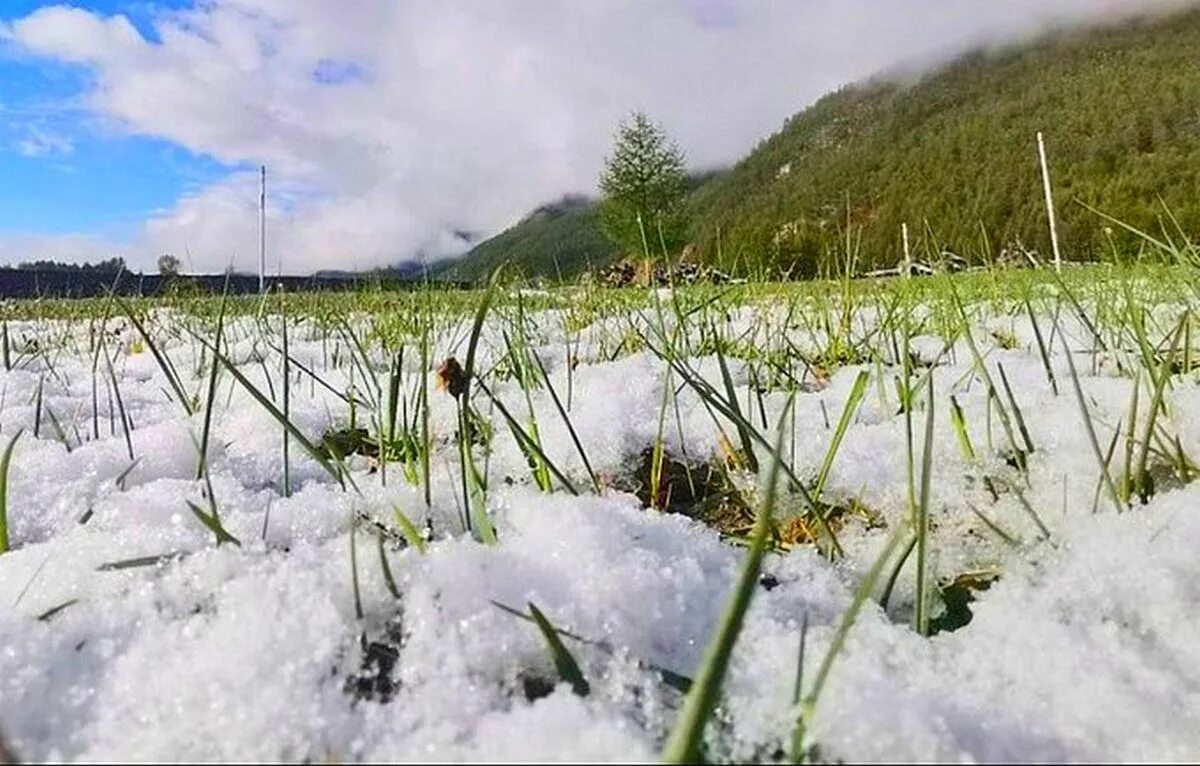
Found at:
[388, 124]
[40, 141]
[70, 248]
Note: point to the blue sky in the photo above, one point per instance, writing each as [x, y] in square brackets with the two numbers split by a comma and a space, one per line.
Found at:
[62, 169]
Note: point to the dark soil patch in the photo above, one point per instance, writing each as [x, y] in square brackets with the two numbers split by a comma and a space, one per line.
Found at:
[374, 680]
[957, 596]
[343, 442]
[698, 490]
[704, 491]
[534, 685]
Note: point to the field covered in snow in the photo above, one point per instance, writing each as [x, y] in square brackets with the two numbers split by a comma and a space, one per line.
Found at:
[958, 513]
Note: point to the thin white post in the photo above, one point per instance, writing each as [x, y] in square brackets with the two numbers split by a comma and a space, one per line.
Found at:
[1049, 201]
[907, 254]
[262, 232]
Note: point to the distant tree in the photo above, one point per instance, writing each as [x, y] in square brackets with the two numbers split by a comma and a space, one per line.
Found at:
[168, 264]
[643, 177]
[111, 266]
[108, 266]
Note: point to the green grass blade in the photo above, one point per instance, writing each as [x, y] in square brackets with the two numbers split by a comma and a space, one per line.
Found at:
[1042, 350]
[922, 518]
[568, 668]
[809, 707]
[527, 442]
[164, 362]
[202, 463]
[279, 417]
[1156, 406]
[741, 423]
[388, 579]
[465, 459]
[685, 744]
[567, 420]
[1032, 513]
[960, 430]
[213, 524]
[672, 679]
[1087, 422]
[5, 461]
[1016, 409]
[857, 391]
[411, 535]
[1010, 539]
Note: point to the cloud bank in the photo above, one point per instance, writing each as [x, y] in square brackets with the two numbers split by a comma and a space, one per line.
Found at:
[388, 126]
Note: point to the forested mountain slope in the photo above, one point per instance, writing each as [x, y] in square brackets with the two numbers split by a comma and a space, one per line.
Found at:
[952, 153]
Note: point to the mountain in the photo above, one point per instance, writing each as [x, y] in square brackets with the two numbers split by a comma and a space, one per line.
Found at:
[561, 239]
[952, 153]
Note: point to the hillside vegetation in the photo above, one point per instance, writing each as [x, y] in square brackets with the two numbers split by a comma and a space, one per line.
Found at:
[951, 153]
[1120, 109]
[561, 240]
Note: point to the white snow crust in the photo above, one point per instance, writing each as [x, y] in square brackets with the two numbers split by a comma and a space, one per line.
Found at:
[1084, 649]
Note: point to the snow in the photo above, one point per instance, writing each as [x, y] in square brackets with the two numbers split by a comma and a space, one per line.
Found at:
[1083, 649]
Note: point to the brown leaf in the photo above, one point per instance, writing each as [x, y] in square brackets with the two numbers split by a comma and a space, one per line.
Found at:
[452, 378]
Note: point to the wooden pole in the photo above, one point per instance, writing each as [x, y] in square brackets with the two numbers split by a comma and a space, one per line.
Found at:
[1049, 201]
[262, 231]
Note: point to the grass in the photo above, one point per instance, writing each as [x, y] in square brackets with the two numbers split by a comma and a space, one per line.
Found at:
[5, 462]
[761, 370]
[564, 661]
[686, 742]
